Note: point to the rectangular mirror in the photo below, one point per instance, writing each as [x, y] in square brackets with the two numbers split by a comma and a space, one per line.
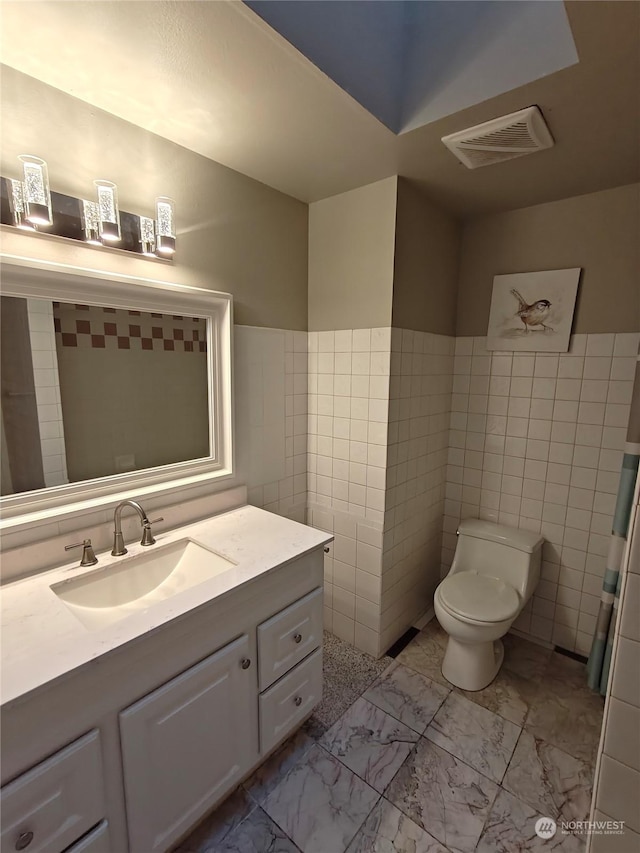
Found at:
[108, 383]
[90, 391]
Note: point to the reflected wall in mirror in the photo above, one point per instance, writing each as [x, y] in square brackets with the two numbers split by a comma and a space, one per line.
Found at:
[89, 392]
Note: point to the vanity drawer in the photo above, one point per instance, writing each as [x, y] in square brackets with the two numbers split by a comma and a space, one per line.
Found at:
[290, 700]
[56, 801]
[288, 637]
[95, 842]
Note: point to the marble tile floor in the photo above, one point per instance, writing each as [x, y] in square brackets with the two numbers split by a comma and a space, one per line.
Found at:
[395, 760]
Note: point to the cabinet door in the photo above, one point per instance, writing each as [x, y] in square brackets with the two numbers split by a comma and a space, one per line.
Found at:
[186, 744]
[51, 805]
[284, 705]
[289, 636]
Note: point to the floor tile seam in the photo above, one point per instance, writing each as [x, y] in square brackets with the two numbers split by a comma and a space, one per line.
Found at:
[466, 763]
[281, 828]
[374, 806]
[506, 770]
[408, 817]
[488, 814]
[521, 801]
[413, 669]
[520, 796]
[253, 803]
[300, 757]
[384, 710]
[458, 692]
[362, 779]
[253, 808]
[561, 748]
[399, 806]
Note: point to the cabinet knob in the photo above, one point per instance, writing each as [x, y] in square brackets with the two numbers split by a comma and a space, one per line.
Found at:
[297, 701]
[297, 638]
[24, 840]
[245, 663]
[326, 549]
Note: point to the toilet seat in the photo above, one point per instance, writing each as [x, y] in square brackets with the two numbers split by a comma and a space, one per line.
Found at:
[478, 598]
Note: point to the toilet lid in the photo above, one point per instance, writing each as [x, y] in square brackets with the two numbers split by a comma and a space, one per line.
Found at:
[478, 597]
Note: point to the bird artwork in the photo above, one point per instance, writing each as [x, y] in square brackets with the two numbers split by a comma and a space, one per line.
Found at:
[520, 321]
[533, 314]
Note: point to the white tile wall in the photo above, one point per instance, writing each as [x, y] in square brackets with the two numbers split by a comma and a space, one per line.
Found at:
[536, 441]
[47, 388]
[617, 786]
[271, 418]
[378, 426]
[419, 410]
[347, 457]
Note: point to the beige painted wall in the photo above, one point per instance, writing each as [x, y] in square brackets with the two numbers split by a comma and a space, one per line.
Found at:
[351, 249]
[598, 232]
[234, 234]
[426, 264]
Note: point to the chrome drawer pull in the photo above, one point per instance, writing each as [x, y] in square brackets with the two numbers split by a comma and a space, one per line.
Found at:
[297, 701]
[245, 663]
[297, 638]
[24, 840]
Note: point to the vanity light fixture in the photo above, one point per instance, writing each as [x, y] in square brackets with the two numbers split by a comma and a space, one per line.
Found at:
[147, 236]
[108, 213]
[17, 206]
[37, 197]
[165, 224]
[99, 222]
[91, 222]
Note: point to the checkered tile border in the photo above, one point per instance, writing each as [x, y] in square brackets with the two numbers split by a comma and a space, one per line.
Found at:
[90, 327]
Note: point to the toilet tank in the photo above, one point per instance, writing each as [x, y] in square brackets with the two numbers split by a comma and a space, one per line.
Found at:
[508, 553]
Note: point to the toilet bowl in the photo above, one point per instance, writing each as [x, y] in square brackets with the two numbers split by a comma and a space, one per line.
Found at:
[494, 573]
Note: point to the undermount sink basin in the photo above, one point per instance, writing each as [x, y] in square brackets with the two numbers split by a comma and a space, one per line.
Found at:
[108, 595]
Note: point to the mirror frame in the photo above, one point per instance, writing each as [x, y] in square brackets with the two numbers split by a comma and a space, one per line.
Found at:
[29, 278]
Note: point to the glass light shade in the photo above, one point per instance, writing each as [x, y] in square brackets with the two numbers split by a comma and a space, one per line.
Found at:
[108, 213]
[166, 228]
[17, 206]
[37, 197]
[91, 222]
[147, 236]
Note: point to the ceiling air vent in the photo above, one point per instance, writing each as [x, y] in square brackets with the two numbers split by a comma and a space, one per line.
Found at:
[500, 139]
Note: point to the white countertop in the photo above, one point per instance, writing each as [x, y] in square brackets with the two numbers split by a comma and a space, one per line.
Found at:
[41, 639]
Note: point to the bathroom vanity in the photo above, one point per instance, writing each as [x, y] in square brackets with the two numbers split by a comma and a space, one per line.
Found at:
[123, 722]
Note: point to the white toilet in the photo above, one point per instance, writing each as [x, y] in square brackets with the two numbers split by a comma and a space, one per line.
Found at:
[494, 573]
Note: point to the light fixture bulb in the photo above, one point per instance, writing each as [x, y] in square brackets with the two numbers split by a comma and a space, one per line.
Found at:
[147, 236]
[17, 206]
[165, 226]
[91, 222]
[37, 196]
[108, 213]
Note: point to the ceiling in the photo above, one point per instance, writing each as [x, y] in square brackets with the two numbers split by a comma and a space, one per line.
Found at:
[410, 63]
[215, 78]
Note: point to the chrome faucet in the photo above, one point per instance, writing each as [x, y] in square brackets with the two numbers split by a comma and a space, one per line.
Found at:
[118, 539]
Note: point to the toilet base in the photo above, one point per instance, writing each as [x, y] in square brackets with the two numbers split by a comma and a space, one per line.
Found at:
[472, 666]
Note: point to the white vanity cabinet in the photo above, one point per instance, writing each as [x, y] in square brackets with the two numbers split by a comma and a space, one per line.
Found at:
[186, 744]
[127, 753]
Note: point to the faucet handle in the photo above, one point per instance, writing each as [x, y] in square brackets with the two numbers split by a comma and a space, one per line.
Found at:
[147, 535]
[88, 554]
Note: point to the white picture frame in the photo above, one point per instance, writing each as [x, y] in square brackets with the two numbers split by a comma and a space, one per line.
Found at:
[533, 312]
[30, 278]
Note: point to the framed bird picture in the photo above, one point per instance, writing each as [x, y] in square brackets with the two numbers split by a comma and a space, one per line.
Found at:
[533, 312]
